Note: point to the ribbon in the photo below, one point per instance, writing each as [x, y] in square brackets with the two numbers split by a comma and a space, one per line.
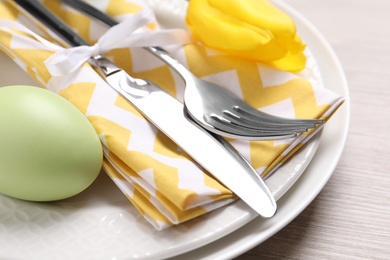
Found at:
[123, 35]
[129, 33]
[8, 26]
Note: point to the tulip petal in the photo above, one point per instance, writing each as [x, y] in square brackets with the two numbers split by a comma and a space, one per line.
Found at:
[212, 25]
[252, 29]
[290, 62]
[259, 13]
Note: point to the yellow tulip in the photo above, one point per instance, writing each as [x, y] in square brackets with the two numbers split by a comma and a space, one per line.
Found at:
[252, 29]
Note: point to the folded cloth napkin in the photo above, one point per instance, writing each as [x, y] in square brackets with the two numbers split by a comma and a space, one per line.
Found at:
[161, 181]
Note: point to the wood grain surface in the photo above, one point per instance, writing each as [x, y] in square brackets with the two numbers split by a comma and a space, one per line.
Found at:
[350, 218]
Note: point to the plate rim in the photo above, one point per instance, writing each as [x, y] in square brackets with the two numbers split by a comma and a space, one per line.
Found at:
[248, 236]
[255, 219]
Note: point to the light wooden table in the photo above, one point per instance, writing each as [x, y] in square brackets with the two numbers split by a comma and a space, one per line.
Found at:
[350, 219]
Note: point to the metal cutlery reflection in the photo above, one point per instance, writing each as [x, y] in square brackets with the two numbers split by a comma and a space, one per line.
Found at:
[213, 107]
[171, 117]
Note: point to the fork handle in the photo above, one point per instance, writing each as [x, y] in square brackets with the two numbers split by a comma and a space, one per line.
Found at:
[159, 52]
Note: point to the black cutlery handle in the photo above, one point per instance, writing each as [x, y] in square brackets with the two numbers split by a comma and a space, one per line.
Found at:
[44, 16]
[91, 11]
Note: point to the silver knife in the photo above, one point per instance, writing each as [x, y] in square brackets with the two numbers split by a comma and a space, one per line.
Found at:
[211, 151]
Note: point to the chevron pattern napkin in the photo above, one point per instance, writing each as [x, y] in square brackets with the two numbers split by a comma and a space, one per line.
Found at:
[158, 178]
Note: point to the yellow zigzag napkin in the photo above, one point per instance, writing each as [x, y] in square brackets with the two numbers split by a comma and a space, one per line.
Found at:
[163, 182]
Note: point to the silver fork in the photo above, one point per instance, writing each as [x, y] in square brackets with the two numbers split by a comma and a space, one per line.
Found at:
[171, 118]
[213, 107]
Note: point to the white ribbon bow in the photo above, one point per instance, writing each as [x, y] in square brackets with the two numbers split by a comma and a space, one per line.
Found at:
[123, 35]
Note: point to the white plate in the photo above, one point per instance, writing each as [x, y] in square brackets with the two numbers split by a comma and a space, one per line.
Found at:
[318, 172]
[100, 222]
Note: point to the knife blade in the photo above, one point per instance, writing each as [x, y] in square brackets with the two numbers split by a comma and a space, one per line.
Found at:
[221, 159]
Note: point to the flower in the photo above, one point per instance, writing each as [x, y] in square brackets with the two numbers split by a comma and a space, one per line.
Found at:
[252, 29]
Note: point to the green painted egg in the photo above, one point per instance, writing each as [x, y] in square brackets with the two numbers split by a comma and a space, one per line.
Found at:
[48, 149]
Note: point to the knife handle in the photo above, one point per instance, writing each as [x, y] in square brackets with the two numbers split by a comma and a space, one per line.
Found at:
[62, 33]
[37, 12]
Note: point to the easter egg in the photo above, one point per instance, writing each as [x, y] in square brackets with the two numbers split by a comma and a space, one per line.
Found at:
[48, 149]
